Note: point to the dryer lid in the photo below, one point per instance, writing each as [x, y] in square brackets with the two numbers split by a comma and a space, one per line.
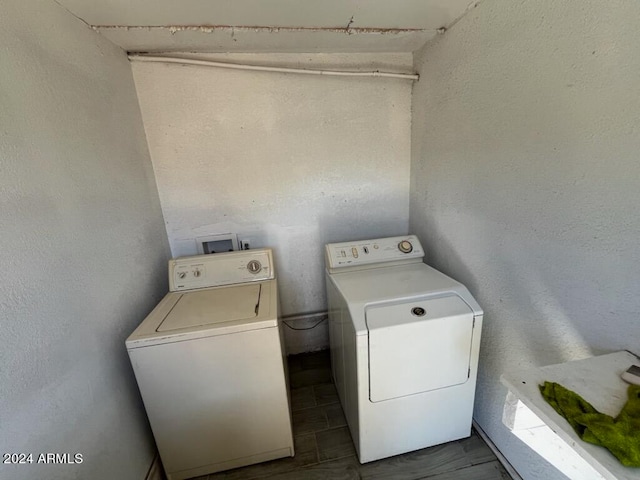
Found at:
[213, 306]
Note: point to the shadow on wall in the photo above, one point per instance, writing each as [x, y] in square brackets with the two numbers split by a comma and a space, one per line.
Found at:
[525, 304]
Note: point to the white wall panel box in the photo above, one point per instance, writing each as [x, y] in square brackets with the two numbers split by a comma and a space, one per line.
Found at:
[218, 243]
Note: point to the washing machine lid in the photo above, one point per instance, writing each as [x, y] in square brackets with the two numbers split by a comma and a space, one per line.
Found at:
[210, 307]
[231, 309]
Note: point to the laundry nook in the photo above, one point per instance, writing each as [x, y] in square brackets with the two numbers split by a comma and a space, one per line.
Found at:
[274, 240]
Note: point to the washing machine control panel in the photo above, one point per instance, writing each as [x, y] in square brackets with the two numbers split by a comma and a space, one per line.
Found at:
[368, 252]
[214, 270]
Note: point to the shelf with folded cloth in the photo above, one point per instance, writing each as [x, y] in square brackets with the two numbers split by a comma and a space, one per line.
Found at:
[535, 422]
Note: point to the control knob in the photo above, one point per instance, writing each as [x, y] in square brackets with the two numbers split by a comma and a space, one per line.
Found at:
[405, 246]
[182, 274]
[254, 266]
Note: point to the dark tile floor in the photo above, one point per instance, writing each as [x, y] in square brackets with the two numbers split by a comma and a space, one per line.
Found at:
[324, 449]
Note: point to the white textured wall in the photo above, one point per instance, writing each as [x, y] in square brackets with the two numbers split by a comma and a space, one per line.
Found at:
[287, 161]
[82, 248]
[525, 183]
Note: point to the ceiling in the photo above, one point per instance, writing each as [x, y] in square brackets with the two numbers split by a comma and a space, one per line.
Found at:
[269, 25]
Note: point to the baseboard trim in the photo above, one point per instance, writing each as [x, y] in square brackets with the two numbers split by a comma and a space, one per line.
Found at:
[156, 472]
[501, 458]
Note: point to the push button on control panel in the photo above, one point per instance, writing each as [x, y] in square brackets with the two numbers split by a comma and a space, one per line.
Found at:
[354, 252]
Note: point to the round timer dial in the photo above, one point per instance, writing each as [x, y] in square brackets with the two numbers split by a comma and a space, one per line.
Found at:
[254, 266]
[405, 246]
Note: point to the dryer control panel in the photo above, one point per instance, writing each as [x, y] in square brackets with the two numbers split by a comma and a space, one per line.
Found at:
[202, 271]
[368, 253]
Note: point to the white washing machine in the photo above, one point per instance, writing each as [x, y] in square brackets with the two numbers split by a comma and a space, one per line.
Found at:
[211, 367]
[404, 346]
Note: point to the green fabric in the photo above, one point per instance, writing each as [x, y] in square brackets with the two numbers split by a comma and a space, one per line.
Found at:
[620, 435]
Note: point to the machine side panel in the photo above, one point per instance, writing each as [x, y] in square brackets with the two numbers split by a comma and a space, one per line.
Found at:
[352, 368]
[342, 339]
[336, 307]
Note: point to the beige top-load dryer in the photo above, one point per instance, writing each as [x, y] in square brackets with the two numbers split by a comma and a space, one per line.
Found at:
[210, 365]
